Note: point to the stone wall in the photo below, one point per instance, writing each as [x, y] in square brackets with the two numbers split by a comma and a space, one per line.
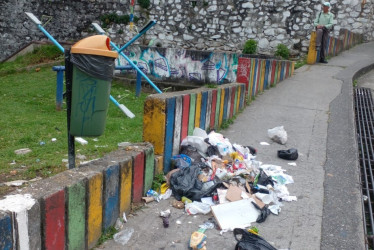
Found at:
[191, 24]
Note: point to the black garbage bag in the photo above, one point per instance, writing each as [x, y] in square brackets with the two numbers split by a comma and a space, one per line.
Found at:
[263, 179]
[191, 152]
[213, 150]
[289, 154]
[264, 212]
[185, 182]
[250, 241]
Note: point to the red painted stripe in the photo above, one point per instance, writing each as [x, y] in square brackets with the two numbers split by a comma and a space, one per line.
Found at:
[233, 90]
[137, 187]
[244, 69]
[54, 224]
[213, 111]
[185, 116]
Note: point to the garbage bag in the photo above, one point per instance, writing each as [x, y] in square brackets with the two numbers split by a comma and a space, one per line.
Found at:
[289, 154]
[183, 181]
[263, 179]
[180, 161]
[264, 212]
[278, 134]
[213, 150]
[250, 241]
[101, 67]
[191, 152]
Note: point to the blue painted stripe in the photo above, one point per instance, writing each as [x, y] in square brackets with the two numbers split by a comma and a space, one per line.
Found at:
[242, 97]
[6, 235]
[282, 71]
[266, 80]
[111, 196]
[169, 132]
[204, 102]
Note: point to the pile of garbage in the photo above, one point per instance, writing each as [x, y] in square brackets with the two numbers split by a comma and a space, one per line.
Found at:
[212, 175]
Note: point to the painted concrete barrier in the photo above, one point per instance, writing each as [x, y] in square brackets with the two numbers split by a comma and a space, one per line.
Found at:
[72, 209]
[259, 74]
[345, 41]
[170, 117]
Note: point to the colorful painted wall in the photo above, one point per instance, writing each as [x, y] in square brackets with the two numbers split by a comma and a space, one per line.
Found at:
[170, 117]
[259, 74]
[346, 40]
[199, 67]
[72, 209]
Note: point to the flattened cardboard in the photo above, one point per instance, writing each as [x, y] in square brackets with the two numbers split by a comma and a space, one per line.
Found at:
[234, 193]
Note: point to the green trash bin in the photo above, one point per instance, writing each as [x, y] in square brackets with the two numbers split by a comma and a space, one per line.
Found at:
[93, 66]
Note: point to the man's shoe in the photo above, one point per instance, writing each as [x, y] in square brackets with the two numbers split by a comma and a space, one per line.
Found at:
[323, 61]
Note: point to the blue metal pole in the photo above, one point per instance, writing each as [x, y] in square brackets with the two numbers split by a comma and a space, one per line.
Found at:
[136, 67]
[51, 38]
[59, 85]
[145, 29]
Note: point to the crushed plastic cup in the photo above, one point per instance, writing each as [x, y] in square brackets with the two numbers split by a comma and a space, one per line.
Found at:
[197, 208]
[123, 236]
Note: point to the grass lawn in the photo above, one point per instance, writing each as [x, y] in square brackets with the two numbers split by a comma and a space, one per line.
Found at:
[29, 120]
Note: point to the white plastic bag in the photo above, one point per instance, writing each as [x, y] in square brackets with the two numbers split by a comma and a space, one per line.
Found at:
[223, 144]
[278, 134]
[197, 207]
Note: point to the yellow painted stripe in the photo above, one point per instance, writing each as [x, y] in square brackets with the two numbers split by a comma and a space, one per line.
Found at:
[279, 70]
[126, 184]
[312, 53]
[292, 68]
[154, 121]
[239, 90]
[263, 67]
[94, 209]
[221, 108]
[198, 110]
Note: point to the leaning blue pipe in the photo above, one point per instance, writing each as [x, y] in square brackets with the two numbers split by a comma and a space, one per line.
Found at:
[119, 50]
[147, 27]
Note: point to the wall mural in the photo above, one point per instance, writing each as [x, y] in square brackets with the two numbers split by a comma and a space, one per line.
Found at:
[185, 65]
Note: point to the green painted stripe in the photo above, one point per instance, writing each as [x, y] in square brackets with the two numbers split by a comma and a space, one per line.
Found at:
[218, 105]
[149, 169]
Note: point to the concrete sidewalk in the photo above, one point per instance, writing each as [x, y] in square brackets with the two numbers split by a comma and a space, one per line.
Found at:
[315, 107]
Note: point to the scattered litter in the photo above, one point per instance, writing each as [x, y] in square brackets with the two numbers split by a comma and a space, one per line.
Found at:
[13, 172]
[22, 151]
[15, 183]
[123, 236]
[289, 154]
[95, 139]
[81, 140]
[275, 209]
[124, 217]
[207, 225]
[235, 214]
[81, 157]
[13, 162]
[248, 240]
[53, 140]
[178, 222]
[42, 143]
[364, 197]
[101, 146]
[197, 207]
[264, 143]
[289, 198]
[124, 144]
[166, 195]
[165, 217]
[208, 200]
[278, 134]
[178, 204]
[119, 224]
[148, 199]
[292, 164]
[198, 240]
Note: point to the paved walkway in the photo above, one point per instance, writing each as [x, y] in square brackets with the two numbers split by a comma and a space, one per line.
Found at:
[315, 107]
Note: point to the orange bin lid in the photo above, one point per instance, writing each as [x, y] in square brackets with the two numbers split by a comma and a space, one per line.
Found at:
[98, 45]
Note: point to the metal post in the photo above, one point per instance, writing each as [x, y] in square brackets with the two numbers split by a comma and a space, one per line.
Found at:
[59, 86]
[69, 87]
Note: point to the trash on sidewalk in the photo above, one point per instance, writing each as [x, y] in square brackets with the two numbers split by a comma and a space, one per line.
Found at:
[197, 207]
[235, 214]
[123, 236]
[165, 217]
[178, 204]
[16, 183]
[198, 240]
[248, 240]
[289, 154]
[278, 134]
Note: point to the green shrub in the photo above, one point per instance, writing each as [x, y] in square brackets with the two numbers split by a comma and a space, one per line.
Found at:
[110, 18]
[144, 3]
[250, 47]
[282, 51]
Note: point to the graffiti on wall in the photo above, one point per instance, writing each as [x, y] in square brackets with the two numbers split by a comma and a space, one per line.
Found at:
[185, 65]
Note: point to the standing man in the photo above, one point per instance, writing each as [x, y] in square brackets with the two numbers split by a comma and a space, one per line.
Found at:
[323, 24]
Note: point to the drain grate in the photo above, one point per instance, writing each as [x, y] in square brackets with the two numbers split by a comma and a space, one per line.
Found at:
[365, 128]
